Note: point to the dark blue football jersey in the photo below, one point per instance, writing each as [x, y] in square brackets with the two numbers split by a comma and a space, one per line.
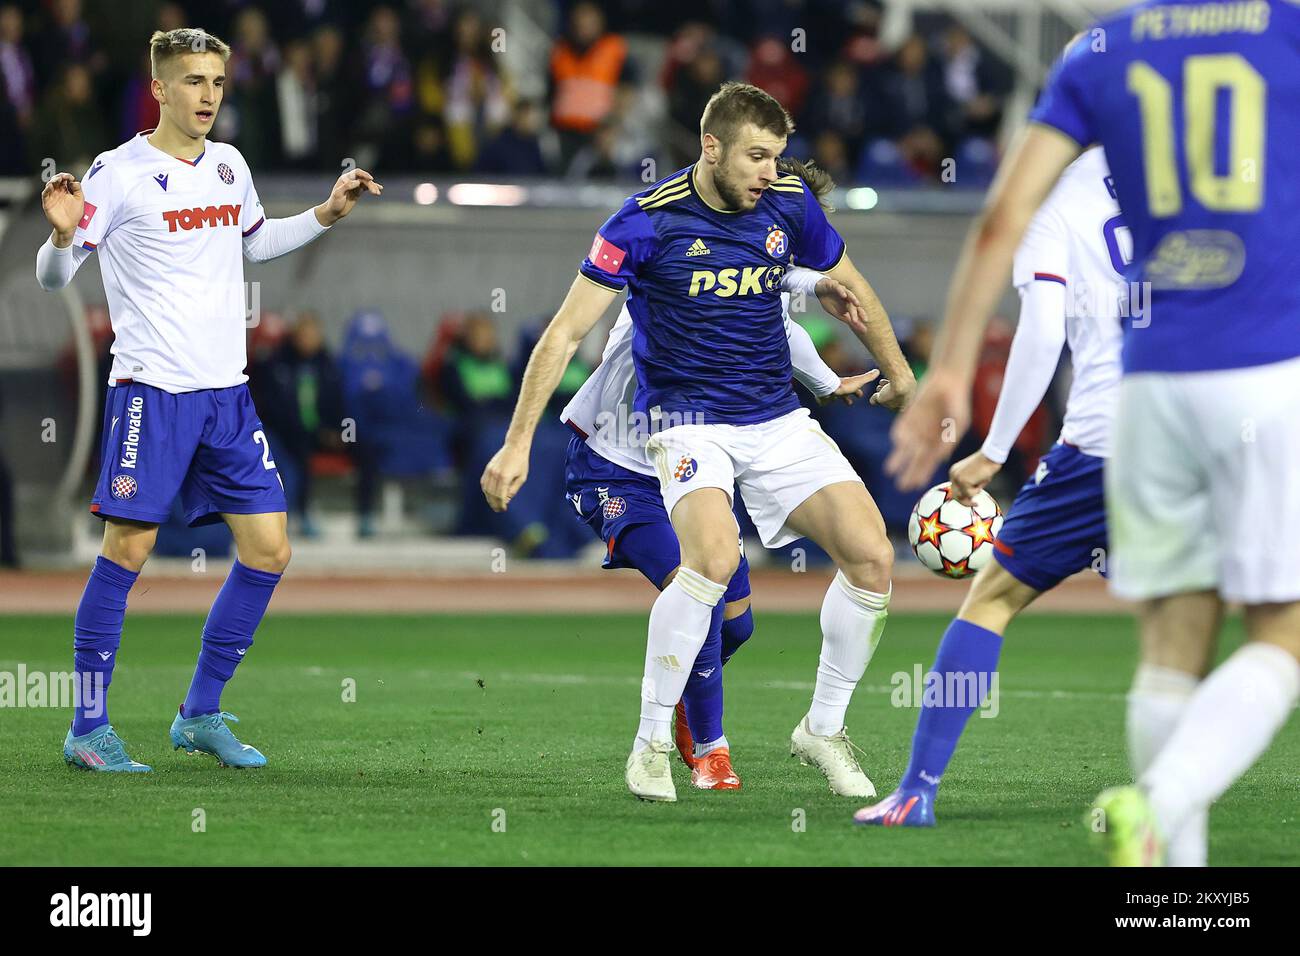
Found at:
[1198, 107]
[704, 291]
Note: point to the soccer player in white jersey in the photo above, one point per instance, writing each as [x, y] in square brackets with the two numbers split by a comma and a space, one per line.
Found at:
[702, 253]
[1069, 273]
[1198, 108]
[613, 487]
[172, 216]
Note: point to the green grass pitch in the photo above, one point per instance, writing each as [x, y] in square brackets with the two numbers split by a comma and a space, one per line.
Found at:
[501, 740]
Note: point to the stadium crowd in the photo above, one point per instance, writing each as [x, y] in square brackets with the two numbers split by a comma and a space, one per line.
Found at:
[367, 412]
[423, 85]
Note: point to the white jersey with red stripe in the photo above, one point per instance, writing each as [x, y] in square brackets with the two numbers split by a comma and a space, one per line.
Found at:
[169, 234]
[1078, 239]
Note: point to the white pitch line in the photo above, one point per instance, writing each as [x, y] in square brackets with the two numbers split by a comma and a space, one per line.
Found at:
[590, 679]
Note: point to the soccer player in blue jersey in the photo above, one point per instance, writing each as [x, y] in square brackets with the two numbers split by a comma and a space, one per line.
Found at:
[615, 492]
[172, 216]
[702, 254]
[1198, 108]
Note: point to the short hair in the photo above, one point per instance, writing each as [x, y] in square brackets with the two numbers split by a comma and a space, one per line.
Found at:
[173, 43]
[736, 104]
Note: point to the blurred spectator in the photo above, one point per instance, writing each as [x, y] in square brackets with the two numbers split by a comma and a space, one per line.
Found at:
[387, 88]
[692, 86]
[516, 150]
[974, 82]
[599, 158]
[250, 112]
[18, 89]
[334, 100]
[139, 110]
[477, 95]
[839, 106]
[65, 39]
[914, 94]
[775, 68]
[588, 68]
[301, 395]
[832, 154]
[296, 100]
[69, 125]
[476, 382]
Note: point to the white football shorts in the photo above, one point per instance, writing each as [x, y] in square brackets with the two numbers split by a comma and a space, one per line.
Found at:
[1203, 489]
[778, 465]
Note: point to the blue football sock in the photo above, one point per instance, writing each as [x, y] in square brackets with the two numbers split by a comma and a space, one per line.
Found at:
[736, 632]
[97, 633]
[227, 634]
[965, 649]
[703, 694]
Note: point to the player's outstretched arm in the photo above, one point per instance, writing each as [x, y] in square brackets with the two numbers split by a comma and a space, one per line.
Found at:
[924, 434]
[870, 323]
[582, 309]
[63, 204]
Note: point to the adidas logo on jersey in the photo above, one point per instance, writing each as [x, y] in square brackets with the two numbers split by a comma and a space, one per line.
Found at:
[698, 248]
[669, 662]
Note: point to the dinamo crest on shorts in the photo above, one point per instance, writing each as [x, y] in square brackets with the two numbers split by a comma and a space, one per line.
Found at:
[123, 486]
[226, 173]
[613, 507]
[777, 243]
[685, 469]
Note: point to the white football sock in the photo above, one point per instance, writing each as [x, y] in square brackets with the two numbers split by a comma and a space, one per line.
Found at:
[1228, 723]
[852, 621]
[1155, 704]
[679, 625]
[712, 745]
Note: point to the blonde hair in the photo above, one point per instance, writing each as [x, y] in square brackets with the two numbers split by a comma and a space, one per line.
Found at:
[174, 43]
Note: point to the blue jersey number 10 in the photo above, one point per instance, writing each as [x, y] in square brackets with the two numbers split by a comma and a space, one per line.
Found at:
[1241, 188]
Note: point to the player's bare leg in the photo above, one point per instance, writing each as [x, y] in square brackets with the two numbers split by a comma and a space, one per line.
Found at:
[845, 522]
[261, 541]
[995, 597]
[262, 546]
[1226, 724]
[91, 742]
[679, 625]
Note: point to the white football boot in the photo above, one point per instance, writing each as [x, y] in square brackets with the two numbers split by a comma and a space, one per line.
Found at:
[649, 773]
[833, 756]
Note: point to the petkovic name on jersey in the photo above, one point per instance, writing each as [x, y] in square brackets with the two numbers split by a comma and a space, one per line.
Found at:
[131, 443]
[725, 283]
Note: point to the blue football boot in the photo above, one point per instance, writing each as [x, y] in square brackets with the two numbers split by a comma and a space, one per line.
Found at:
[100, 750]
[902, 808]
[208, 734]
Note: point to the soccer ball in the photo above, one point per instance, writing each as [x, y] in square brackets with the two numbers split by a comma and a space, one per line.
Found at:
[950, 539]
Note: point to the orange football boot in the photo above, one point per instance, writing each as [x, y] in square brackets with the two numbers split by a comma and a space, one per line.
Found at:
[682, 735]
[713, 771]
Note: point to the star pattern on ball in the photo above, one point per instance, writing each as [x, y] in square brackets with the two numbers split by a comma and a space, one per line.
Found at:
[979, 530]
[931, 528]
